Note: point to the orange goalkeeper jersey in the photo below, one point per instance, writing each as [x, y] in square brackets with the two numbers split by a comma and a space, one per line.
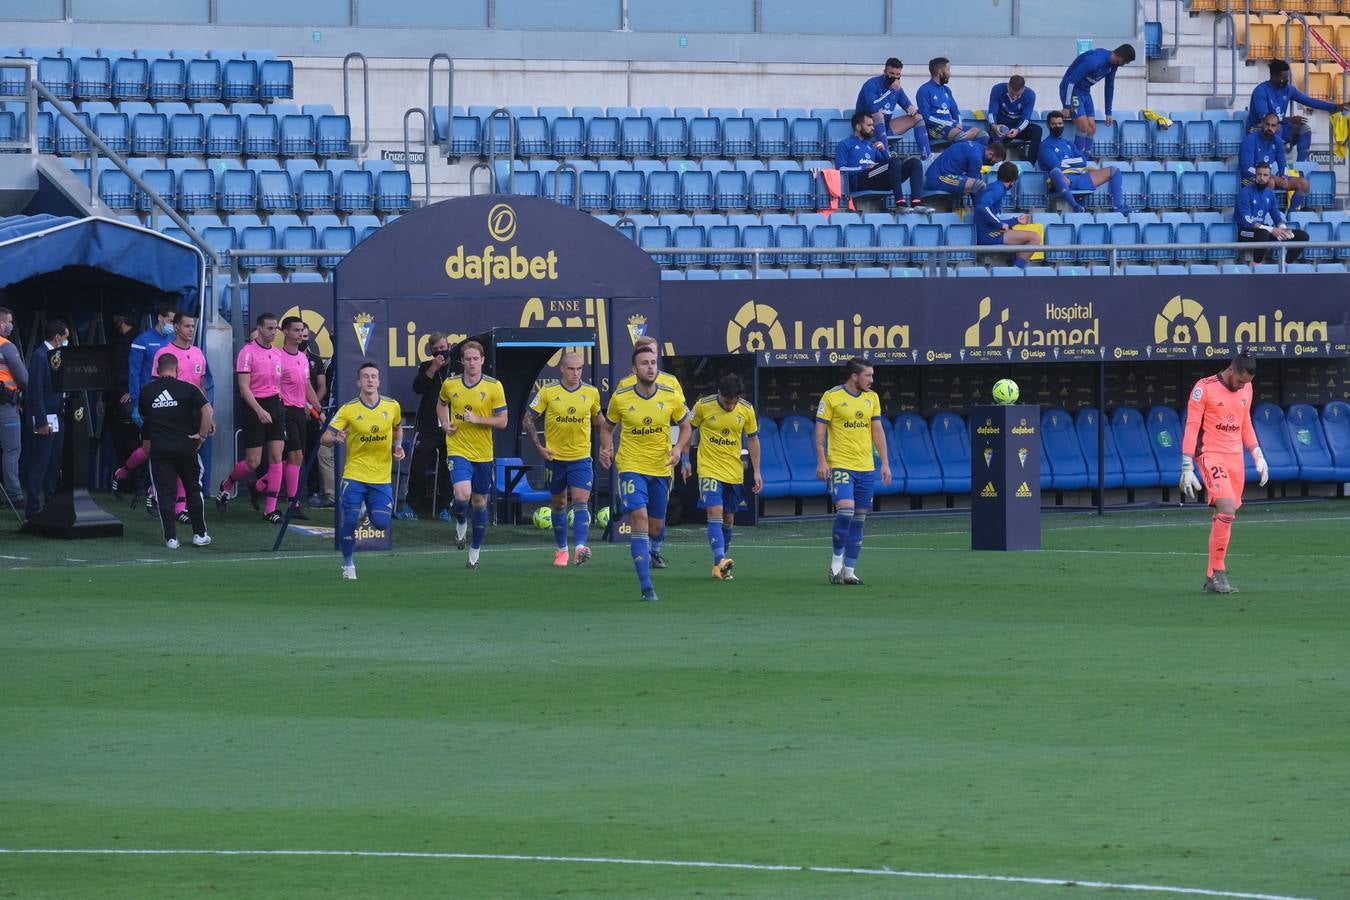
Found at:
[1218, 420]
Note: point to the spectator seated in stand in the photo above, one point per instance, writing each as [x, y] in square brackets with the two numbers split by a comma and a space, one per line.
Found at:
[1274, 96]
[937, 105]
[882, 98]
[1067, 167]
[992, 228]
[1011, 108]
[865, 160]
[1264, 145]
[1258, 217]
[957, 170]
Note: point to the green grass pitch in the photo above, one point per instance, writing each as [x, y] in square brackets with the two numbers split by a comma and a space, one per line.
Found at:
[1082, 714]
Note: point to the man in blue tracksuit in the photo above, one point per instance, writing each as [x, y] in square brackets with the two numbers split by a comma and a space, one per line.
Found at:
[992, 228]
[956, 171]
[941, 115]
[866, 161]
[1258, 217]
[886, 102]
[1274, 96]
[1265, 146]
[1067, 168]
[1012, 106]
[1075, 89]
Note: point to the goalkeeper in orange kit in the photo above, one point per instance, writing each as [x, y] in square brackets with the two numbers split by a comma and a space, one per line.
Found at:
[1218, 425]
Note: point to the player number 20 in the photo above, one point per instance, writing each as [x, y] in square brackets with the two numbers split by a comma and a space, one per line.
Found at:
[707, 485]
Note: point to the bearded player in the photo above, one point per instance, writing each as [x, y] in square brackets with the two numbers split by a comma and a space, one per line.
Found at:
[1218, 425]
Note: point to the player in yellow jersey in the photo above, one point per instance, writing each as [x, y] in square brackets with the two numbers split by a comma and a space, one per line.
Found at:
[569, 408]
[849, 416]
[470, 406]
[721, 420]
[643, 415]
[371, 427]
[665, 379]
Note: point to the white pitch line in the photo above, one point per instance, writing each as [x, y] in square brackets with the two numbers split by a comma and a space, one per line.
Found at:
[672, 863]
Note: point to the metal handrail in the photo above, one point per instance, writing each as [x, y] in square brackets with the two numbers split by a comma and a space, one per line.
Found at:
[30, 78]
[365, 96]
[576, 182]
[426, 151]
[449, 86]
[1176, 23]
[474, 170]
[1232, 56]
[490, 126]
[1307, 42]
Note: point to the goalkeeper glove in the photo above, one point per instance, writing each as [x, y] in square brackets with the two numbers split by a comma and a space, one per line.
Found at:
[1190, 485]
[1260, 459]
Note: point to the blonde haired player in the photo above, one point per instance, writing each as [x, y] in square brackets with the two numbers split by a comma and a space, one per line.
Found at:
[1218, 425]
[722, 419]
[471, 405]
[569, 408]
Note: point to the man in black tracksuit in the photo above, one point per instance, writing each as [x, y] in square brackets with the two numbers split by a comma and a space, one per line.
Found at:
[177, 420]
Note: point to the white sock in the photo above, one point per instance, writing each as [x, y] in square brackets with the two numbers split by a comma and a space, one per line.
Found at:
[848, 570]
[836, 563]
[473, 554]
[461, 529]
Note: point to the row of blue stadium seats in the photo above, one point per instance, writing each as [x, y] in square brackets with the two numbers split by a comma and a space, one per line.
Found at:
[1032, 271]
[776, 137]
[651, 189]
[181, 75]
[876, 219]
[227, 186]
[281, 232]
[1142, 450]
[914, 243]
[283, 130]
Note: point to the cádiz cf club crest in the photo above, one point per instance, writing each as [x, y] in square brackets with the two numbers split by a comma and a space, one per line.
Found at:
[637, 327]
[364, 323]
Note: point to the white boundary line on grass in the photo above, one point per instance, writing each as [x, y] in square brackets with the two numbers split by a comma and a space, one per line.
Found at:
[674, 863]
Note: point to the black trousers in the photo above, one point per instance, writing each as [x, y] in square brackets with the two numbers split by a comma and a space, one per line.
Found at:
[41, 465]
[166, 471]
[1291, 254]
[891, 176]
[428, 450]
[1031, 136]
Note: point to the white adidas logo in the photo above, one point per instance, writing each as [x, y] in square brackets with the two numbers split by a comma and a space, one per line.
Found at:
[164, 401]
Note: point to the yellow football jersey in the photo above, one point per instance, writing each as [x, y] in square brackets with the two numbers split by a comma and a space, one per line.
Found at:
[849, 417]
[719, 438]
[484, 399]
[643, 424]
[567, 416]
[370, 431]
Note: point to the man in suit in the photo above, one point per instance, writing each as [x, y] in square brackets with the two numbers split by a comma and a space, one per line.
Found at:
[42, 417]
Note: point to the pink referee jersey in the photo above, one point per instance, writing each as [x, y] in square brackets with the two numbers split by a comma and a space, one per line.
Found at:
[263, 365]
[1218, 420]
[191, 363]
[294, 377]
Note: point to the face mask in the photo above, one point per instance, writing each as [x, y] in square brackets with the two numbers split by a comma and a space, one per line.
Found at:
[304, 345]
[167, 328]
[1056, 132]
[7, 329]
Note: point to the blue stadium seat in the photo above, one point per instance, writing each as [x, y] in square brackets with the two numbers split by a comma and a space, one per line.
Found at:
[1228, 137]
[1106, 144]
[656, 237]
[1198, 138]
[1061, 447]
[393, 191]
[807, 137]
[168, 80]
[364, 225]
[1309, 442]
[532, 137]
[766, 191]
[1321, 190]
[738, 138]
[1163, 192]
[1086, 424]
[705, 137]
[238, 190]
[1165, 432]
[1167, 142]
[276, 193]
[1136, 139]
[824, 237]
[239, 81]
[671, 137]
[629, 191]
[800, 191]
[1222, 232]
[262, 135]
[130, 79]
[1336, 428]
[333, 236]
[725, 237]
[595, 192]
[196, 190]
[951, 445]
[638, 136]
[163, 182]
[731, 191]
[276, 80]
[117, 190]
[314, 191]
[355, 191]
[257, 237]
[696, 191]
[224, 135]
[913, 442]
[689, 237]
[1138, 464]
[204, 80]
[773, 468]
[333, 137]
[1223, 189]
[1271, 432]
[603, 137]
[57, 75]
[93, 78]
[897, 485]
[773, 138]
[294, 236]
[663, 191]
[799, 449]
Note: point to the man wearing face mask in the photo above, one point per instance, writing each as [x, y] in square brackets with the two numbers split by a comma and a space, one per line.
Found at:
[1067, 168]
[1258, 217]
[42, 415]
[429, 447]
[892, 113]
[13, 382]
[1275, 96]
[140, 371]
[937, 105]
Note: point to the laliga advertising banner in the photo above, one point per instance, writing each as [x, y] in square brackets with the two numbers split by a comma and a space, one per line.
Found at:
[948, 320]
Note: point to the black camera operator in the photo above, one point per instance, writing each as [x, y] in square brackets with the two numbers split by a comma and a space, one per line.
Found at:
[429, 447]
